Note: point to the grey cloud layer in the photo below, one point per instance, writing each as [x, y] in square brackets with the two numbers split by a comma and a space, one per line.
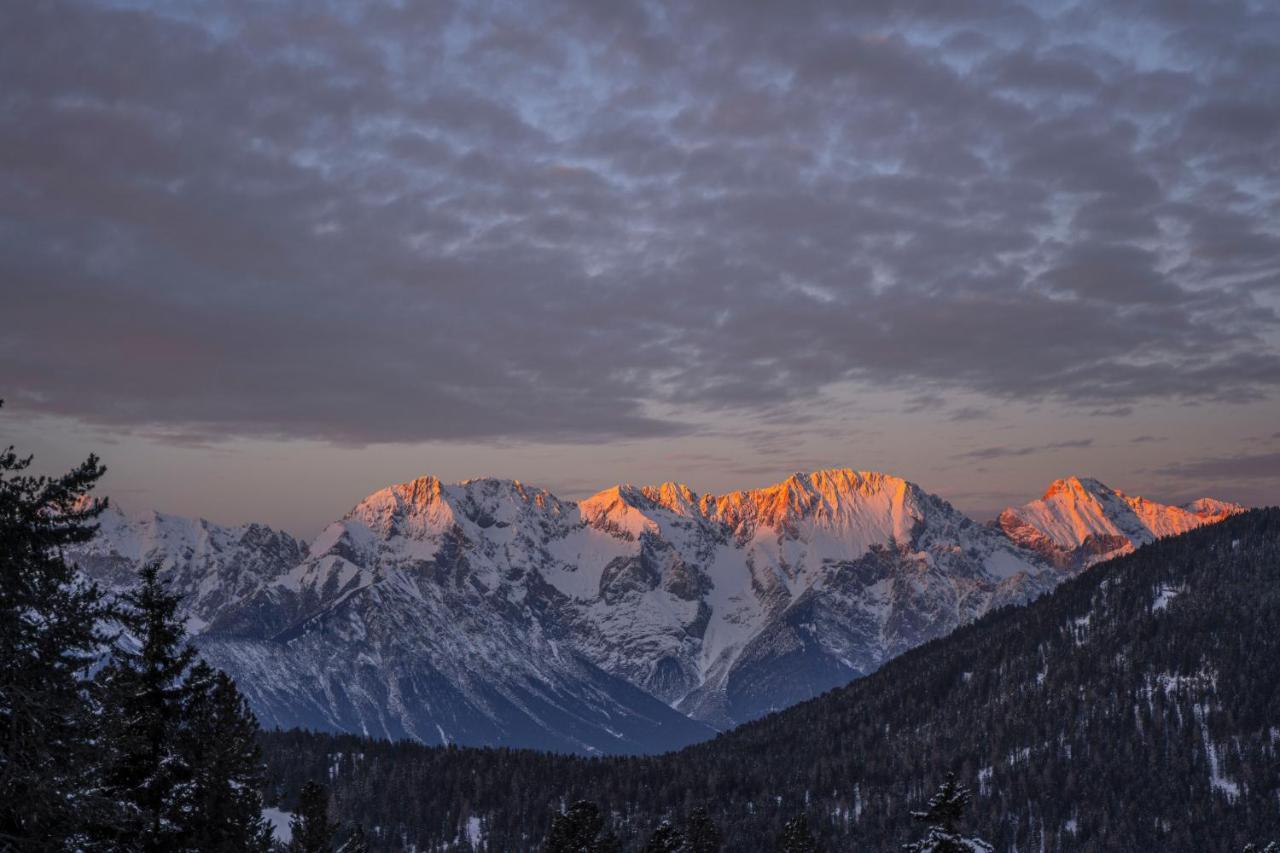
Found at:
[1005, 452]
[368, 223]
[1241, 466]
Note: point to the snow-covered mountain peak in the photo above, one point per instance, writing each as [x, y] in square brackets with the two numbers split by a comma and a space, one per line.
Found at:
[413, 509]
[427, 507]
[1076, 488]
[621, 510]
[676, 497]
[1080, 521]
[867, 506]
[832, 487]
[1212, 509]
[639, 508]
[166, 537]
[211, 565]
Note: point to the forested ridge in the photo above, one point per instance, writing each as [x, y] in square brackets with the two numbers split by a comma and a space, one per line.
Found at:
[1137, 707]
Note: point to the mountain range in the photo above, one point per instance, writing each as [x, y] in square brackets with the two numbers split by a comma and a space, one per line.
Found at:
[637, 620]
[1135, 707]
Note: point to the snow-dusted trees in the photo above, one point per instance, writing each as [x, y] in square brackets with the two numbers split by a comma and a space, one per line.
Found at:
[666, 839]
[946, 807]
[698, 835]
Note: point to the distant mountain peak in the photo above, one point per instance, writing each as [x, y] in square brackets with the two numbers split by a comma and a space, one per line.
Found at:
[676, 497]
[1212, 509]
[1077, 487]
[1080, 520]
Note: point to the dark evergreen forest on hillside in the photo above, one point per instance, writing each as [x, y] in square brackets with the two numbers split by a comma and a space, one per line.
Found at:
[1137, 707]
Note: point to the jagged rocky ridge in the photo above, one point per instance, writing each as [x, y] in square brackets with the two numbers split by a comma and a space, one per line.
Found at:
[214, 568]
[637, 620]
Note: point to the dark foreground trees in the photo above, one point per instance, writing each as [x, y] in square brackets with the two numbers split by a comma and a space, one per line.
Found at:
[701, 833]
[666, 839]
[181, 758]
[311, 829]
[154, 752]
[796, 837]
[49, 637]
[223, 798]
[580, 829]
[698, 835]
[142, 703]
[583, 829]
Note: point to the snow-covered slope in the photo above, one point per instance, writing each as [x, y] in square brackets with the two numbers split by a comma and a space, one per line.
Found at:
[213, 567]
[1079, 521]
[636, 620]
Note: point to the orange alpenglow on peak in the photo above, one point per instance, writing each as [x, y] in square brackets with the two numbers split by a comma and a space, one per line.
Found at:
[1080, 521]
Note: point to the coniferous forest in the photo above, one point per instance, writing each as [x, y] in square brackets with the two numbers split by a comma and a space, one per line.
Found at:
[1137, 707]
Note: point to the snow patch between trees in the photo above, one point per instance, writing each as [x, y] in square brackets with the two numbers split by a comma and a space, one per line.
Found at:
[279, 820]
[1217, 780]
[1164, 594]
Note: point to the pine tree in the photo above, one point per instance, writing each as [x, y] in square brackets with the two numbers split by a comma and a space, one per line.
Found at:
[701, 834]
[666, 839]
[796, 837]
[579, 830]
[946, 807]
[144, 696]
[222, 806]
[49, 635]
[311, 829]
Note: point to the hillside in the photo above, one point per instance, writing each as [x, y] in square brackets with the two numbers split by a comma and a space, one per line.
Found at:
[1137, 707]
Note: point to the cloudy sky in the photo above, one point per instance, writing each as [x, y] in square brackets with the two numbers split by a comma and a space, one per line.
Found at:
[265, 257]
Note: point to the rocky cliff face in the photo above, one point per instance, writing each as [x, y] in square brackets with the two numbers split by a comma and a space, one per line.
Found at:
[637, 620]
